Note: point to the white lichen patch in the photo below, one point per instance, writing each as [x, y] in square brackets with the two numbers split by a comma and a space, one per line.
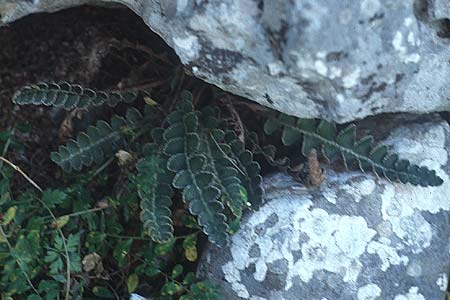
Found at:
[335, 242]
[369, 292]
[442, 282]
[351, 79]
[329, 194]
[387, 253]
[321, 68]
[413, 294]
[187, 48]
[335, 72]
[408, 21]
[233, 276]
[359, 189]
[397, 43]
[402, 204]
[407, 223]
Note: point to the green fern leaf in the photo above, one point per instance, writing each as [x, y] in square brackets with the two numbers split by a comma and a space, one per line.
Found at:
[234, 194]
[323, 135]
[154, 189]
[69, 96]
[192, 173]
[222, 164]
[100, 141]
[249, 169]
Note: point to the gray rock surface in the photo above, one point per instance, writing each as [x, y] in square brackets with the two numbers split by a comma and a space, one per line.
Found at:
[334, 59]
[354, 237]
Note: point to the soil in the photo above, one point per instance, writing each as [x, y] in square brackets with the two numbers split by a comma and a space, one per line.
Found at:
[94, 47]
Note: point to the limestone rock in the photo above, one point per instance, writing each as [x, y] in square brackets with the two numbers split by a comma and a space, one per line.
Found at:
[336, 59]
[354, 237]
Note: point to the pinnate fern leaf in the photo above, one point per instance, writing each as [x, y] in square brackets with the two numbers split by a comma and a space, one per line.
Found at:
[69, 96]
[249, 169]
[221, 164]
[98, 142]
[192, 173]
[154, 188]
[323, 135]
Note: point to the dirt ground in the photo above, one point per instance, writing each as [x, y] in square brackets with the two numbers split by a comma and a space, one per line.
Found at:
[95, 47]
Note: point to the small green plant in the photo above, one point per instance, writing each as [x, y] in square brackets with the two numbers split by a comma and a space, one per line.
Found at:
[174, 157]
[193, 151]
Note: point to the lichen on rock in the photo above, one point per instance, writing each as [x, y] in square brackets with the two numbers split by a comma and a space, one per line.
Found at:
[354, 237]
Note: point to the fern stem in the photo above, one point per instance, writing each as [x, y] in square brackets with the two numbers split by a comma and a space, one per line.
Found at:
[16, 168]
[79, 213]
[224, 154]
[139, 238]
[102, 167]
[194, 180]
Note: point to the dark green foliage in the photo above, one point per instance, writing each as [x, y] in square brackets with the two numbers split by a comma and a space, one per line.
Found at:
[154, 188]
[98, 142]
[190, 150]
[69, 96]
[193, 174]
[211, 166]
[249, 170]
[32, 248]
[219, 155]
[323, 136]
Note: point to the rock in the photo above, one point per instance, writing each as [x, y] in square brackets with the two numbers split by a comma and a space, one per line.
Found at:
[354, 237]
[335, 59]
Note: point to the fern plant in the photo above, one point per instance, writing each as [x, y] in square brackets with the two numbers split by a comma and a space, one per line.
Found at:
[323, 135]
[195, 152]
[214, 171]
[70, 96]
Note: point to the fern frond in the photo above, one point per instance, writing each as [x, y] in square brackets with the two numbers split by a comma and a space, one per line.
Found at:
[249, 168]
[69, 96]
[192, 174]
[226, 172]
[323, 135]
[234, 155]
[92, 146]
[154, 188]
[234, 194]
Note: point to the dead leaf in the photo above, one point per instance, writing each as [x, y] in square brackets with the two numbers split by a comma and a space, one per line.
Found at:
[316, 174]
[124, 157]
[66, 128]
[93, 262]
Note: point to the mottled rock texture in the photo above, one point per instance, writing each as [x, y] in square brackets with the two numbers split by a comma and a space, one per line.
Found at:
[354, 237]
[336, 59]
